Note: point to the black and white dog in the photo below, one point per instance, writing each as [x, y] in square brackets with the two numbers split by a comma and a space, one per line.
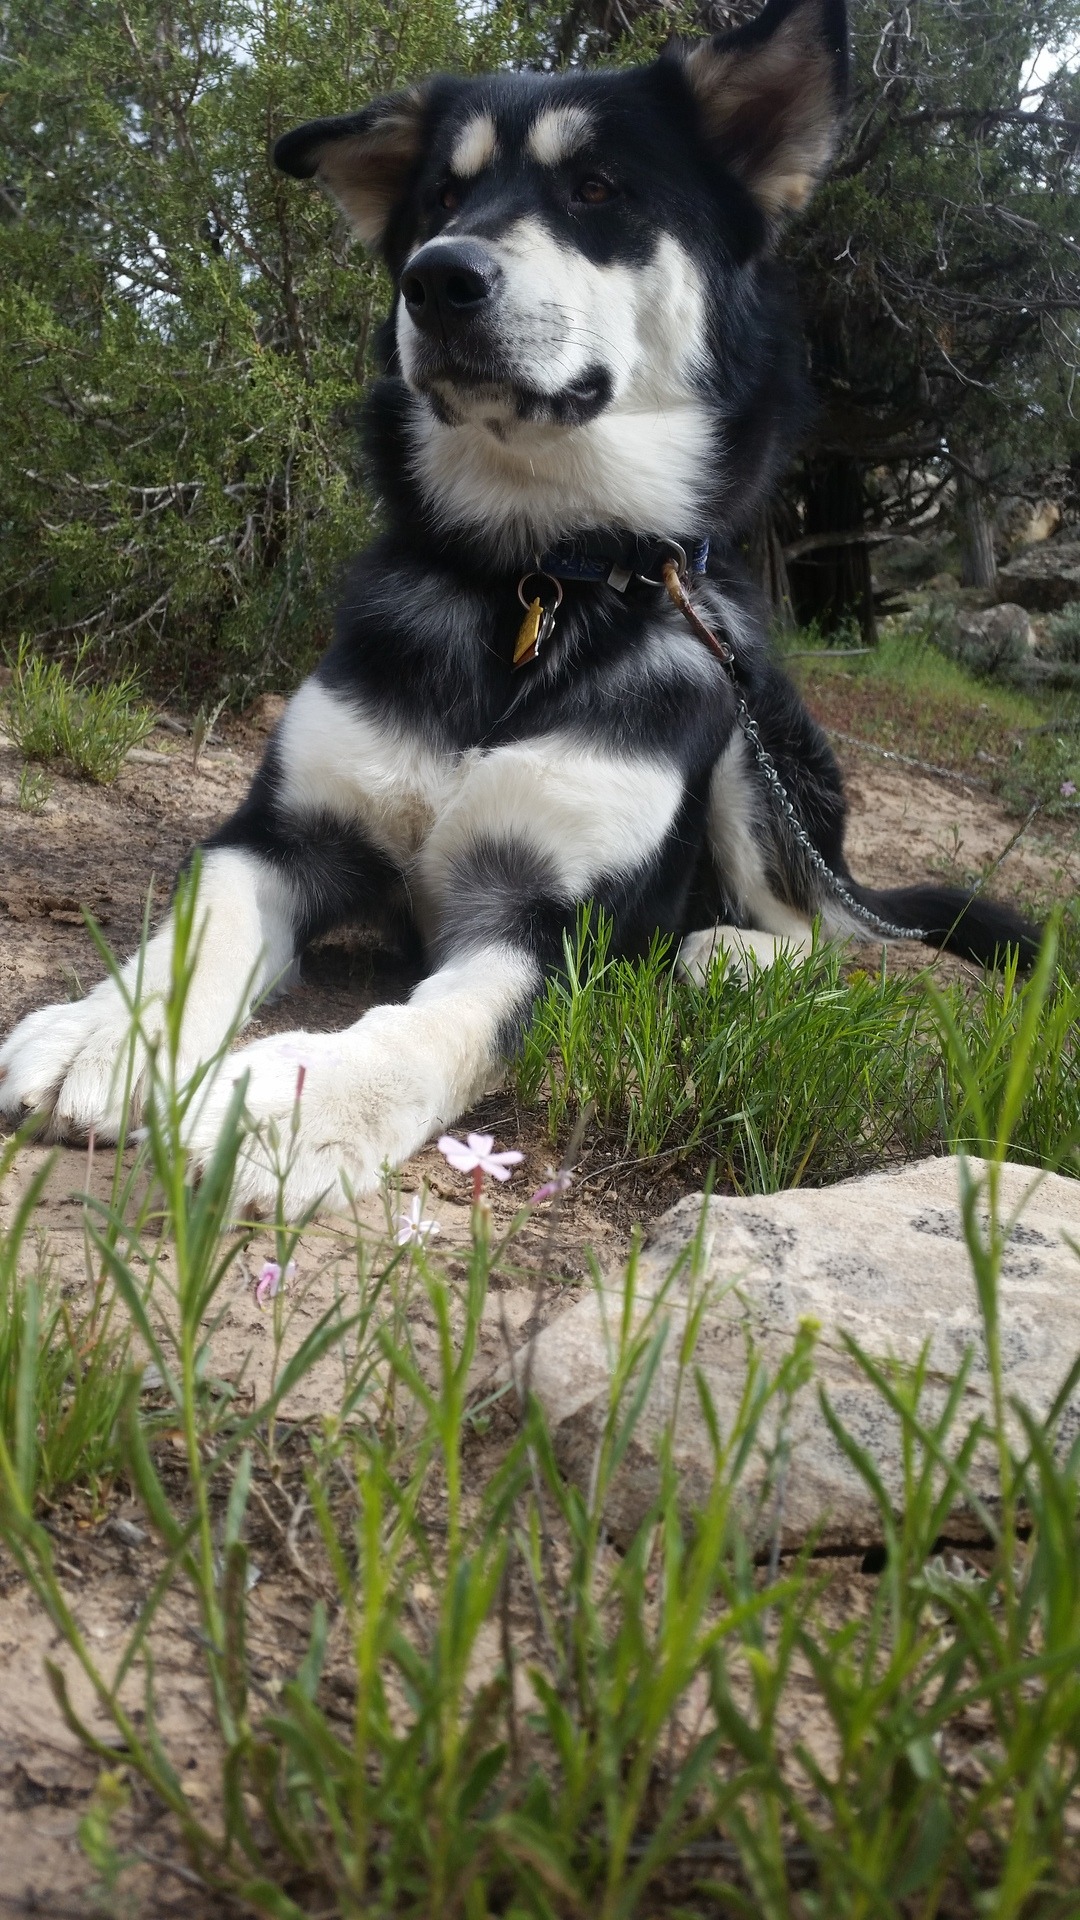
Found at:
[592, 368]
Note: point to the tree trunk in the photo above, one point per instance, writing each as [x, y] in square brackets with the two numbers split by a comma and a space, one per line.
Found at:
[769, 566]
[833, 585]
[978, 563]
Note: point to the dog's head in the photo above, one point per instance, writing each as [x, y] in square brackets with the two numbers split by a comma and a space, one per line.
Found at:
[575, 257]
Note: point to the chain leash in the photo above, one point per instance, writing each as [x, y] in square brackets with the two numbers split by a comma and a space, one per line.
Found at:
[724, 653]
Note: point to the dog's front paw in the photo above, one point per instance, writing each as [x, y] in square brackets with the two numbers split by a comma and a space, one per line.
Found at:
[326, 1112]
[68, 1062]
[741, 946]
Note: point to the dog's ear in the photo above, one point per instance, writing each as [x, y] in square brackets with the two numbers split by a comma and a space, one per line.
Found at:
[771, 97]
[365, 159]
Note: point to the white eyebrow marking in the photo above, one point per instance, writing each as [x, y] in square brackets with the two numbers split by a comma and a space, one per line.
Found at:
[475, 147]
[557, 132]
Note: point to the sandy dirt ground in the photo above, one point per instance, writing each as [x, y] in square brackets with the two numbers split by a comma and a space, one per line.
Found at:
[102, 849]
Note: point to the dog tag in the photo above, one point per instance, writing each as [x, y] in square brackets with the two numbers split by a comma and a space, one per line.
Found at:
[536, 630]
[528, 639]
[539, 623]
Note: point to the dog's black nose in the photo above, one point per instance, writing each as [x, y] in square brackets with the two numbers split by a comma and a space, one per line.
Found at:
[447, 284]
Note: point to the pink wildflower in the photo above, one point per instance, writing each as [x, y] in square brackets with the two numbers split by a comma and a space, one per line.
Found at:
[473, 1155]
[268, 1284]
[1068, 788]
[554, 1186]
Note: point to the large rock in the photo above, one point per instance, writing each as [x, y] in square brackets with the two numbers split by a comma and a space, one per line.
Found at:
[997, 637]
[1025, 523]
[1043, 578]
[881, 1258]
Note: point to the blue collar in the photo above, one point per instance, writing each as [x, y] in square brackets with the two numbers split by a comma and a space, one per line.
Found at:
[596, 557]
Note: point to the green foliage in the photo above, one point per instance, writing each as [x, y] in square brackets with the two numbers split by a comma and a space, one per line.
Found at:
[912, 697]
[795, 1073]
[97, 1840]
[632, 1747]
[936, 259]
[183, 331]
[1063, 634]
[64, 716]
[61, 1363]
[34, 790]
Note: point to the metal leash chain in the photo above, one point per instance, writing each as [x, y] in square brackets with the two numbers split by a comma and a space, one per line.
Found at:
[725, 654]
[817, 861]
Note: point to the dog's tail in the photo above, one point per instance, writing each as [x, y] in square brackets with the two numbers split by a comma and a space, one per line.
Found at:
[961, 923]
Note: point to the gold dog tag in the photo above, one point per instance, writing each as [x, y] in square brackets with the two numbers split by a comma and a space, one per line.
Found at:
[529, 634]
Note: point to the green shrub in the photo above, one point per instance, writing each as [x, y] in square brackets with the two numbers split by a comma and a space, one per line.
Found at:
[1063, 634]
[794, 1073]
[67, 718]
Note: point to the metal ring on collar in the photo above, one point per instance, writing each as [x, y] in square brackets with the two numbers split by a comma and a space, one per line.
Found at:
[678, 554]
[538, 574]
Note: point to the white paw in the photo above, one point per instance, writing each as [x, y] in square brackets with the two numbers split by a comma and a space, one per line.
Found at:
[742, 946]
[69, 1061]
[364, 1099]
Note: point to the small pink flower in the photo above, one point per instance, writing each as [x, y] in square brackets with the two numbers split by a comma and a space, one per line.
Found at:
[554, 1186]
[412, 1231]
[268, 1284]
[473, 1155]
[1068, 788]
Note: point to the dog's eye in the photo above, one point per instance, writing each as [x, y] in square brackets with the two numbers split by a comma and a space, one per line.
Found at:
[450, 198]
[594, 190]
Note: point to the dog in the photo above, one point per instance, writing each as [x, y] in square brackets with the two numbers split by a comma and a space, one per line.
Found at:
[592, 376]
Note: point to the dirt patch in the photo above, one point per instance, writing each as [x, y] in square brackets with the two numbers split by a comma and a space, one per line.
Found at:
[906, 828]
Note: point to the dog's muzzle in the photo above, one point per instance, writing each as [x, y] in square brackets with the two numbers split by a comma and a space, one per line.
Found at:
[448, 286]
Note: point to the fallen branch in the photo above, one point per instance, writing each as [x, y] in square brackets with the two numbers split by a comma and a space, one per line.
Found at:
[829, 653]
[906, 760]
[865, 537]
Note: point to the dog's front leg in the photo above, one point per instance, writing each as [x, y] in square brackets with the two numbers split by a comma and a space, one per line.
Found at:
[329, 1110]
[69, 1060]
[301, 854]
[532, 830]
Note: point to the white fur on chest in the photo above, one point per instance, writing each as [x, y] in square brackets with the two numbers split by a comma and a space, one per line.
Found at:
[339, 759]
[586, 811]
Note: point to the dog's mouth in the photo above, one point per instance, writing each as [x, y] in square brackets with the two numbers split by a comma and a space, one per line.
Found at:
[500, 400]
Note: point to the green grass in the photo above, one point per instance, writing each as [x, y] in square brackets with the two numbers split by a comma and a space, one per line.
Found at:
[799, 1073]
[908, 696]
[67, 719]
[35, 789]
[627, 1752]
[62, 1354]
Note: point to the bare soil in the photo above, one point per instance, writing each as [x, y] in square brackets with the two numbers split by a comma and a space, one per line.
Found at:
[102, 849]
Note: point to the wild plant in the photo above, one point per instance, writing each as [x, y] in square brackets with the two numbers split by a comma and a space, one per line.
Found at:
[66, 718]
[800, 1073]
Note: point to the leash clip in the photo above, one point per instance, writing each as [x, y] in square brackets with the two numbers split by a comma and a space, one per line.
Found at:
[678, 560]
[674, 581]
